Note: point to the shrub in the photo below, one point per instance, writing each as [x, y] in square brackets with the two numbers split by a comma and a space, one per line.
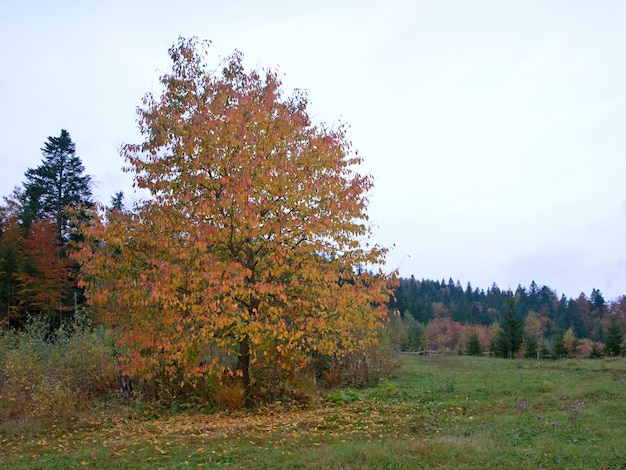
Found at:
[53, 400]
[48, 377]
[84, 360]
[596, 351]
[363, 367]
[21, 372]
[230, 396]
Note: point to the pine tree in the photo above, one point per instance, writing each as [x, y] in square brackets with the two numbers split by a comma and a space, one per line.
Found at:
[531, 346]
[51, 190]
[54, 185]
[597, 300]
[117, 201]
[474, 348]
[614, 339]
[509, 338]
[558, 348]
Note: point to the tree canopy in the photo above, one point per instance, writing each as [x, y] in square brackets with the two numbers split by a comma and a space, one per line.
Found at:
[250, 242]
[56, 184]
[38, 278]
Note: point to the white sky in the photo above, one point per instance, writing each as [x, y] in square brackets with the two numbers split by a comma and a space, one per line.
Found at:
[495, 130]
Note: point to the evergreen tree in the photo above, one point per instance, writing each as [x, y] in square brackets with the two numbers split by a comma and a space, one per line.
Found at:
[538, 305]
[10, 258]
[54, 185]
[533, 291]
[544, 349]
[469, 292]
[558, 348]
[614, 339]
[474, 348]
[531, 347]
[117, 201]
[50, 191]
[561, 316]
[509, 338]
[576, 320]
[597, 300]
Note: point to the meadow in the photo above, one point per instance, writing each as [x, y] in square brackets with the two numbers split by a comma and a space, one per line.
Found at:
[439, 412]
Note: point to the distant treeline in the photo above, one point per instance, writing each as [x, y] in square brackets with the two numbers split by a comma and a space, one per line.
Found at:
[426, 300]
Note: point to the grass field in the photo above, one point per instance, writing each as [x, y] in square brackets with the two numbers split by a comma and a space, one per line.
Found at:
[440, 412]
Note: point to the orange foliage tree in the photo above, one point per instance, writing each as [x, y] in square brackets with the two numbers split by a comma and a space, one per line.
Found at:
[250, 242]
[443, 333]
[45, 274]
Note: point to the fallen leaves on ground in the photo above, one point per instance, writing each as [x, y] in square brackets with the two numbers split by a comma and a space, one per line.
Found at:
[196, 431]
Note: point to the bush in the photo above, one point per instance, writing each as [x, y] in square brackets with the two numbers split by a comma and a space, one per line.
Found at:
[596, 351]
[85, 362]
[21, 371]
[361, 368]
[230, 396]
[48, 377]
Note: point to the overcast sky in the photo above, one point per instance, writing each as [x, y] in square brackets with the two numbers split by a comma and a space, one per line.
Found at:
[495, 130]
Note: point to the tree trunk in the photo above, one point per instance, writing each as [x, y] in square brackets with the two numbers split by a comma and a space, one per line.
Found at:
[243, 364]
[126, 386]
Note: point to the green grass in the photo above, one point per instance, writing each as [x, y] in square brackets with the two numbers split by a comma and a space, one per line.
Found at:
[440, 412]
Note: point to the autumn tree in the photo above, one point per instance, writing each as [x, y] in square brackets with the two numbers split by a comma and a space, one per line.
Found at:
[571, 342]
[464, 339]
[39, 277]
[618, 308]
[43, 274]
[34, 270]
[534, 327]
[249, 244]
[443, 334]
